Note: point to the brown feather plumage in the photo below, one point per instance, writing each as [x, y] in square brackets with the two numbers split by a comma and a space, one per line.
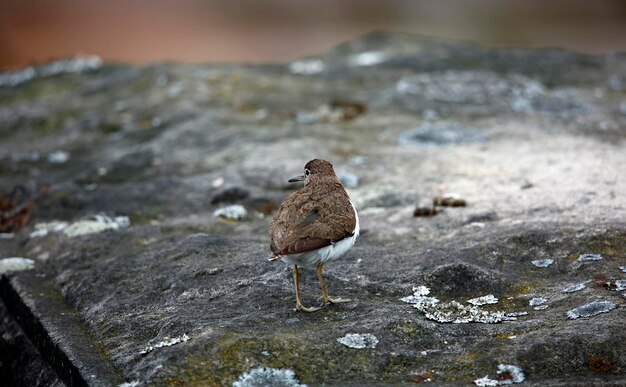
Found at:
[318, 214]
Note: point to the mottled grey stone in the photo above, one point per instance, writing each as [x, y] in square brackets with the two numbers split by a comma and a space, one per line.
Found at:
[159, 143]
[464, 278]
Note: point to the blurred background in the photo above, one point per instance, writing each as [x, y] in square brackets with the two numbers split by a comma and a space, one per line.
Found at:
[143, 31]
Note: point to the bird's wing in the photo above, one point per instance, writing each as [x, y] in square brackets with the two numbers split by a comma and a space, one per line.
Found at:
[303, 245]
[303, 224]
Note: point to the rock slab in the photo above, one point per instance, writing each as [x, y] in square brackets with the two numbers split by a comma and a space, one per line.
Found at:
[530, 141]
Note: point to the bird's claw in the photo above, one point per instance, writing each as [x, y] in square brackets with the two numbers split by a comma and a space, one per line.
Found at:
[328, 300]
[300, 307]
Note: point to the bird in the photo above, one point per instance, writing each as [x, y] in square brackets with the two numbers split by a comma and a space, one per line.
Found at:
[316, 224]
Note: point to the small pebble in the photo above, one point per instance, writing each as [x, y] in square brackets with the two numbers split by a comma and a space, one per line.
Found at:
[424, 211]
[217, 182]
[527, 185]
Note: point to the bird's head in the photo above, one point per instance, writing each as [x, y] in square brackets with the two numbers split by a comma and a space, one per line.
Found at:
[316, 171]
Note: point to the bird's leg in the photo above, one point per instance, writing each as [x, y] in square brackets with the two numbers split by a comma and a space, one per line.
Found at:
[325, 297]
[296, 280]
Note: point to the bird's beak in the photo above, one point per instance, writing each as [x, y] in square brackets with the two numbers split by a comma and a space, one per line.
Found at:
[296, 179]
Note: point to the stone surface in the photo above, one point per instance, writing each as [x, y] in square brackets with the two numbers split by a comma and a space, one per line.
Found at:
[56, 330]
[20, 362]
[534, 138]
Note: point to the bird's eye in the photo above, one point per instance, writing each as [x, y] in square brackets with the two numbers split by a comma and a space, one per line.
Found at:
[307, 172]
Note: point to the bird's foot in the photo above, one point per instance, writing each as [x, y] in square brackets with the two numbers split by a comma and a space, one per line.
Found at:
[328, 300]
[300, 307]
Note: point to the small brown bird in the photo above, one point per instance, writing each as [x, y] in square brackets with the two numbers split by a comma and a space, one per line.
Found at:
[314, 225]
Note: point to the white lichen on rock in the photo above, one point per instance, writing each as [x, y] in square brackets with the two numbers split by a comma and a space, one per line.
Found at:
[16, 264]
[617, 285]
[535, 301]
[543, 262]
[623, 269]
[516, 314]
[485, 382]
[43, 229]
[456, 313]
[591, 309]
[235, 212]
[419, 297]
[95, 224]
[421, 301]
[167, 342]
[589, 257]
[134, 383]
[509, 374]
[539, 303]
[575, 287]
[421, 290]
[259, 377]
[359, 340]
[484, 300]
